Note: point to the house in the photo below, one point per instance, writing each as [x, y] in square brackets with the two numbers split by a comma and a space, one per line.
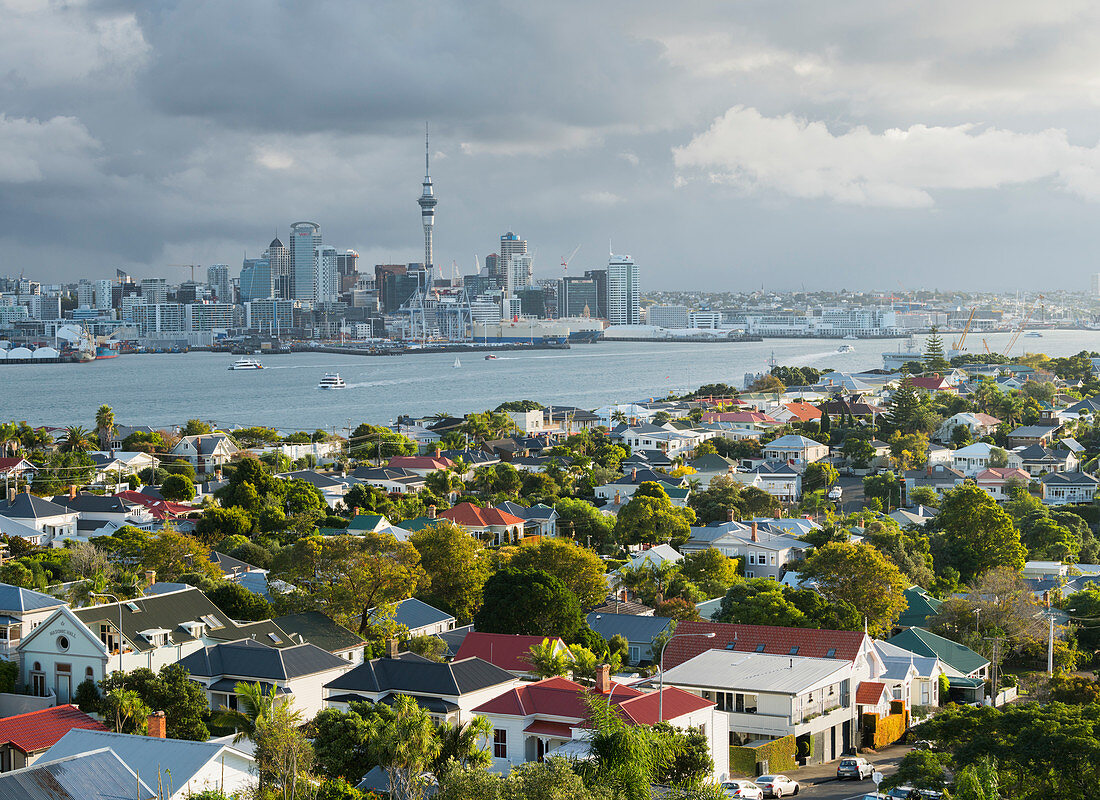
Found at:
[920, 605]
[296, 673]
[938, 454]
[766, 696]
[763, 551]
[642, 633]
[332, 487]
[777, 478]
[101, 515]
[1062, 488]
[324, 632]
[538, 520]
[509, 652]
[711, 465]
[16, 469]
[247, 575]
[998, 482]
[21, 611]
[532, 422]
[534, 720]
[184, 768]
[979, 425]
[958, 661]
[612, 606]
[1032, 434]
[420, 465]
[622, 489]
[798, 451]
[873, 697]
[667, 438]
[25, 737]
[51, 524]
[972, 459]
[88, 776]
[571, 420]
[743, 419]
[74, 645]
[391, 480]
[1037, 460]
[205, 452]
[912, 678]
[934, 383]
[420, 618]
[449, 692]
[797, 411]
[489, 524]
[917, 517]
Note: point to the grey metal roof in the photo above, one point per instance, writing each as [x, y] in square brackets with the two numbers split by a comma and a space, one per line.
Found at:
[421, 676]
[29, 506]
[632, 627]
[413, 613]
[92, 503]
[142, 754]
[251, 658]
[319, 629]
[95, 775]
[755, 672]
[15, 598]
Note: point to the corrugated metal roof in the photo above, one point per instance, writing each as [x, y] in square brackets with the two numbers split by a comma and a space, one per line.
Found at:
[95, 775]
[729, 670]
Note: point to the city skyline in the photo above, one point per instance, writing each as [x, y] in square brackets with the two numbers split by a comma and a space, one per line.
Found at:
[725, 147]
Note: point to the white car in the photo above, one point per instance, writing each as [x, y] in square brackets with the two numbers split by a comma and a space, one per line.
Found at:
[746, 789]
[777, 785]
[836, 493]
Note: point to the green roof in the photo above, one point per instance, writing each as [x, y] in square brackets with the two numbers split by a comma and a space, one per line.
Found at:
[417, 523]
[965, 683]
[366, 522]
[926, 643]
[921, 606]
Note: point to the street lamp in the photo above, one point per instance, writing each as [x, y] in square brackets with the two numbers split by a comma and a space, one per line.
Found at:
[661, 690]
[119, 602]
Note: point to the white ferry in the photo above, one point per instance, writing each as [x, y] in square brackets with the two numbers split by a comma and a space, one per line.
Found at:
[332, 380]
[845, 348]
[246, 363]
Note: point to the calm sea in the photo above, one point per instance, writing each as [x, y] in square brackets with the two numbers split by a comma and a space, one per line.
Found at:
[162, 390]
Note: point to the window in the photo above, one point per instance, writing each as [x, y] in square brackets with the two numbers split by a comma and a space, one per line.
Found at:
[750, 574]
[752, 558]
[793, 651]
[63, 643]
[500, 743]
[89, 674]
[760, 648]
[831, 653]
[771, 559]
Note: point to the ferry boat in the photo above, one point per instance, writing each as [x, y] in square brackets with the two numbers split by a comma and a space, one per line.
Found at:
[1033, 335]
[332, 380]
[246, 363]
[845, 348]
[490, 357]
[852, 337]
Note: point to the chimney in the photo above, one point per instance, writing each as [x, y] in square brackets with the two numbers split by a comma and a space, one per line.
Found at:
[603, 679]
[157, 725]
[431, 512]
[150, 576]
[755, 535]
[778, 514]
[391, 648]
[218, 473]
[617, 497]
[634, 474]
[72, 492]
[729, 515]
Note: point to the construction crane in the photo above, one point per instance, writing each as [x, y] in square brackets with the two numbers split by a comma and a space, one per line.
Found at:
[988, 352]
[565, 260]
[959, 345]
[1023, 324]
[191, 266]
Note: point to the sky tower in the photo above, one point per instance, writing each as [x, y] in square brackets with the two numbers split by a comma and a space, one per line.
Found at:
[427, 203]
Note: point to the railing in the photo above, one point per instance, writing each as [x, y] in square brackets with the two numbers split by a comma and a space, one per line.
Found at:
[819, 709]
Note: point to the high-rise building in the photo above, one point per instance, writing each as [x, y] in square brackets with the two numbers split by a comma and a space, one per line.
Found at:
[668, 316]
[427, 204]
[492, 264]
[279, 257]
[159, 317]
[217, 278]
[327, 280]
[154, 290]
[193, 292]
[600, 277]
[209, 316]
[103, 295]
[578, 297]
[257, 281]
[510, 246]
[305, 244]
[269, 316]
[85, 294]
[1096, 284]
[521, 271]
[622, 291]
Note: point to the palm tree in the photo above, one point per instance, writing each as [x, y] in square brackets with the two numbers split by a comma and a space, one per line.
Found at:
[465, 744]
[9, 437]
[618, 416]
[77, 440]
[105, 425]
[253, 706]
[546, 660]
[405, 745]
[127, 706]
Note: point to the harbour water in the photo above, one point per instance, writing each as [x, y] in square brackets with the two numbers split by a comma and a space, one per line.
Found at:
[162, 390]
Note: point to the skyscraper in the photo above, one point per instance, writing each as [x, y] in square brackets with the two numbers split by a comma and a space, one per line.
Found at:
[578, 297]
[600, 277]
[279, 257]
[154, 290]
[305, 244]
[427, 203]
[217, 278]
[327, 285]
[103, 295]
[622, 291]
[510, 246]
[492, 264]
[257, 281]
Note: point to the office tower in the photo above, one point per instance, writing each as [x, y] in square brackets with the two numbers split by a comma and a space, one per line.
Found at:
[510, 246]
[103, 295]
[427, 203]
[396, 288]
[257, 281]
[327, 285]
[209, 316]
[492, 264]
[278, 256]
[305, 242]
[193, 292]
[600, 277]
[622, 291]
[521, 271]
[154, 290]
[85, 294]
[217, 278]
[578, 297]
[269, 316]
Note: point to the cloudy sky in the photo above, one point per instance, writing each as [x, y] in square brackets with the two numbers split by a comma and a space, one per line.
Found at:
[725, 145]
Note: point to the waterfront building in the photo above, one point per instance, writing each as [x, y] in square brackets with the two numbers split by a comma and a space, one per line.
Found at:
[154, 290]
[492, 264]
[704, 319]
[305, 244]
[269, 315]
[668, 316]
[217, 278]
[600, 277]
[257, 280]
[511, 246]
[210, 316]
[159, 318]
[85, 294]
[622, 291]
[327, 286]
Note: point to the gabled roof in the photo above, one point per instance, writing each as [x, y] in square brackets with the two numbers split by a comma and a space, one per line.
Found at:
[803, 412]
[382, 473]
[754, 672]
[811, 642]
[29, 506]
[318, 629]
[775, 468]
[38, 730]
[413, 614]
[315, 478]
[470, 516]
[414, 675]
[92, 503]
[421, 462]
[792, 442]
[18, 599]
[1033, 431]
[926, 643]
[1069, 479]
[507, 651]
[251, 658]
[93, 775]
[920, 606]
[632, 627]
[367, 522]
[870, 693]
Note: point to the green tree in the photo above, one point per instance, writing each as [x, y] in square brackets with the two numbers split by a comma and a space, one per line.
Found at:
[529, 602]
[711, 571]
[924, 496]
[547, 661]
[819, 475]
[195, 427]
[105, 425]
[933, 358]
[904, 405]
[859, 574]
[464, 744]
[217, 523]
[170, 690]
[884, 487]
[859, 451]
[456, 565]
[239, 603]
[254, 705]
[651, 518]
[340, 743]
[585, 523]
[974, 534]
[178, 488]
[580, 569]
[283, 753]
[405, 745]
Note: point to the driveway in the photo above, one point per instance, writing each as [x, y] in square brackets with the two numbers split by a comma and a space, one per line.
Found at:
[852, 500]
[819, 780]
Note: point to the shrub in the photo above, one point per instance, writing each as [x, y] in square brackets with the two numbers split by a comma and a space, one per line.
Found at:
[779, 753]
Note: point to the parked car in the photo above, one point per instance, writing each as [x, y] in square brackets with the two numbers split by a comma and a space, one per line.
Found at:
[909, 793]
[836, 493]
[746, 789]
[858, 769]
[777, 785]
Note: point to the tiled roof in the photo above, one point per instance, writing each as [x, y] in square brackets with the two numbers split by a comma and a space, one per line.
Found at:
[505, 650]
[803, 411]
[869, 693]
[810, 642]
[38, 730]
[471, 516]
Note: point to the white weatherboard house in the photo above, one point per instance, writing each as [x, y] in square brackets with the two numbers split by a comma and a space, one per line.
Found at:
[798, 451]
[21, 611]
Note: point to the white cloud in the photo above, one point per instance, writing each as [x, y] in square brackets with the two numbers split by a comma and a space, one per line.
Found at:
[272, 158]
[59, 149]
[602, 198]
[896, 168]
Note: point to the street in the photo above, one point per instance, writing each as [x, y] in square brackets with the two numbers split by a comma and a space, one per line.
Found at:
[852, 499]
[819, 781]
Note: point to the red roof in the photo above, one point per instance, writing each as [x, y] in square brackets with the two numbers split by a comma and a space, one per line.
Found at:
[804, 412]
[505, 650]
[10, 463]
[559, 730]
[1001, 474]
[644, 710]
[985, 419]
[421, 462]
[162, 509]
[870, 693]
[810, 642]
[470, 516]
[930, 382]
[740, 416]
[38, 730]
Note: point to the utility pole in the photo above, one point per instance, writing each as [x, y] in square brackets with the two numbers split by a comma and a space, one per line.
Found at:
[1050, 647]
[995, 664]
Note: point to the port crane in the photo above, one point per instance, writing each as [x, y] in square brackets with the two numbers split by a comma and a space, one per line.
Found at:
[566, 259]
[1027, 318]
[959, 345]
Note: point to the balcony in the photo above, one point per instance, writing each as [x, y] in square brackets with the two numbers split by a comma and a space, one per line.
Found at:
[821, 708]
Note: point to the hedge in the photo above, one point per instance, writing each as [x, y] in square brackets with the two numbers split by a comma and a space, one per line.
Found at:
[779, 753]
[882, 731]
